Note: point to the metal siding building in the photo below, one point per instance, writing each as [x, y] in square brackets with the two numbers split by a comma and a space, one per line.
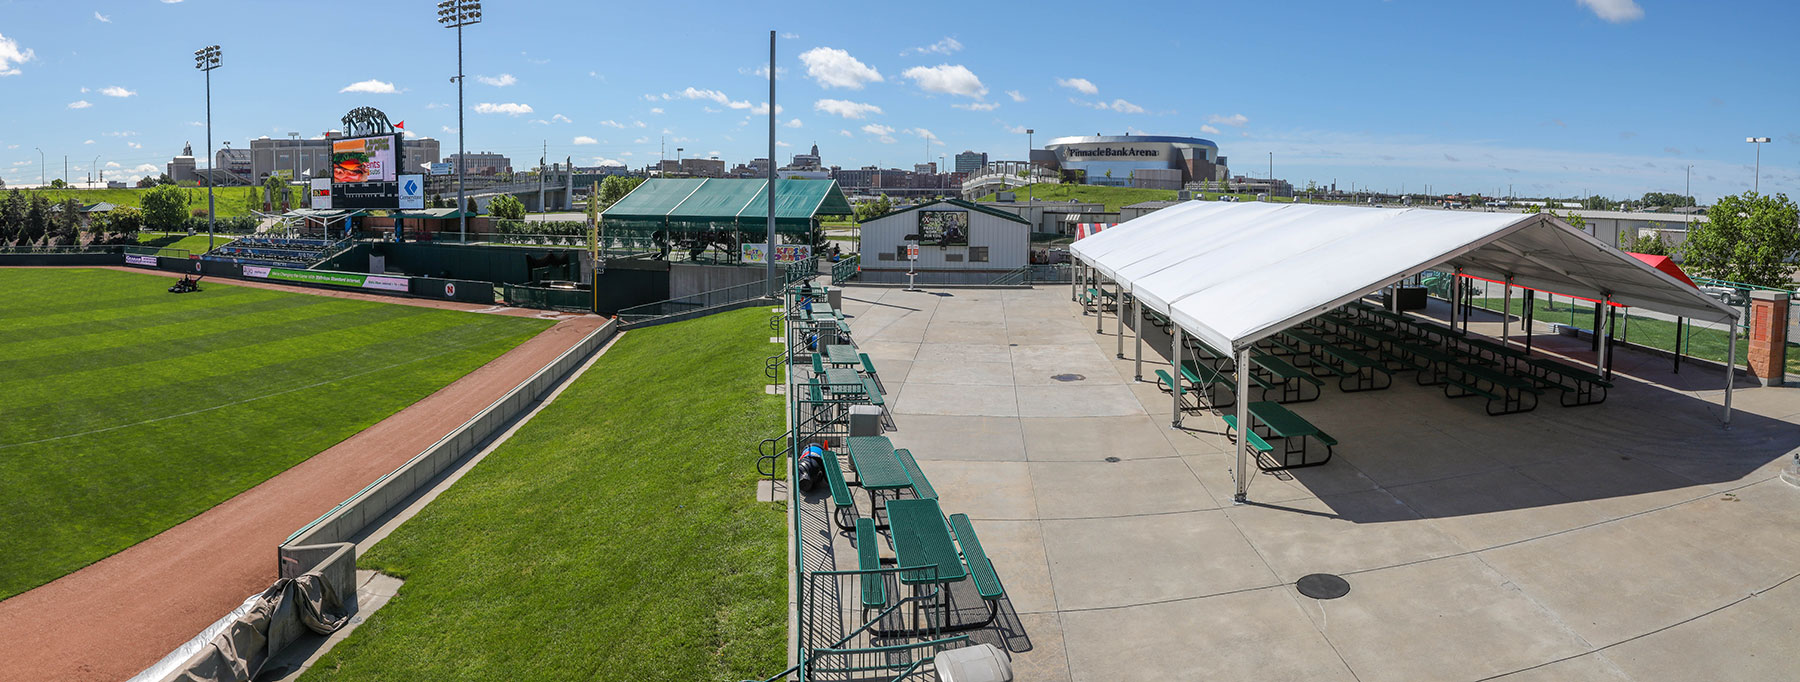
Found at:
[1005, 237]
[1114, 159]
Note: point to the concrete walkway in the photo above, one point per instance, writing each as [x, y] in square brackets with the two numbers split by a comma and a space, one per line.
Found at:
[1634, 540]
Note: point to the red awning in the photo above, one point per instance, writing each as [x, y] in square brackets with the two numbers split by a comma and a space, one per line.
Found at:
[1665, 264]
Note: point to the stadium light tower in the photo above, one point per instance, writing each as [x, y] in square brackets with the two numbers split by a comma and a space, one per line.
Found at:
[1756, 182]
[457, 14]
[206, 59]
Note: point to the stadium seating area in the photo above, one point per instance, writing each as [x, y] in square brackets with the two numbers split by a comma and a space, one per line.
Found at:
[271, 251]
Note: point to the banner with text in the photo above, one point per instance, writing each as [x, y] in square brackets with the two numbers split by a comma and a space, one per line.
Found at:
[784, 253]
[133, 259]
[342, 279]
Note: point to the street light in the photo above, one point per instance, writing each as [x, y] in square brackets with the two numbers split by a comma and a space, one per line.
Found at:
[457, 14]
[1756, 182]
[1030, 194]
[206, 59]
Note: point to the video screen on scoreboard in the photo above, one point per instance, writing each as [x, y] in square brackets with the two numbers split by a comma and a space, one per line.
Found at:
[365, 159]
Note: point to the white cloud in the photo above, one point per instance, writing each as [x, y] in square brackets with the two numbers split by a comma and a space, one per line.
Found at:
[499, 81]
[583, 139]
[371, 86]
[612, 124]
[789, 36]
[102, 18]
[508, 108]
[436, 105]
[1081, 85]
[1615, 11]
[449, 130]
[641, 140]
[1016, 130]
[949, 79]
[845, 108]
[11, 56]
[923, 133]
[113, 164]
[762, 109]
[763, 71]
[171, 2]
[80, 104]
[624, 153]
[84, 91]
[87, 142]
[945, 46]
[1209, 130]
[656, 110]
[1234, 120]
[794, 123]
[639, 124]
[1014, 94]
[978, 106]
[134, 145]
[603, 161]
[121, 133]
[779, 143]
[1125, 107]
[834, 68]
[144, 169]
[881, 132]
[714, 95]
[714, 153]
[560, 118]
[846, 133]
[116, 91]
[196, 124]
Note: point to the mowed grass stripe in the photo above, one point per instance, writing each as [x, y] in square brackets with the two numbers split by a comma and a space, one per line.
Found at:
[58, 305]
[159, 389]
[186, 431]
[119, 488]
[170, 341]
[614, 537]
[90, 290]
[152, 317]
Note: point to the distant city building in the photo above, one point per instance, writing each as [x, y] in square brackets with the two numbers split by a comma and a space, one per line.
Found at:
[970, 161]
[925, 168]
[808, 161]
[181, 168]
[1112, 159]
[696, 168]
[480, 163]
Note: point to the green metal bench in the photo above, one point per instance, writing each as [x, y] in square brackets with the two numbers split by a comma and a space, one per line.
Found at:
[873, 392]
[981, 570]
[868, 558]
[844, 506]
[921, 486]
[868, 367]
[1202, 375]
[1257, 444]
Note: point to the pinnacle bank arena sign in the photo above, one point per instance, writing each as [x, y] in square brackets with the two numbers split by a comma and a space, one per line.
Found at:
[1122, 152]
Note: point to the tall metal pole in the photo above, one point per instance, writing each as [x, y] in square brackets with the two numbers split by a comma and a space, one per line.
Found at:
[1137, 320]
[769, 251]
[211, 219]
[1242, 476]
[1756, 182]
[1175, 374]
[462, 157]
[43, 178]
[1119, 314]
[1730, 371]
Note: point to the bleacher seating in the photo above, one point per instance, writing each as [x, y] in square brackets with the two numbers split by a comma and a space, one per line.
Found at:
[276, 251]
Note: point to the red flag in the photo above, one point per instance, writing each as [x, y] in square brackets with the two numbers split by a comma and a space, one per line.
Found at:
[401, 125]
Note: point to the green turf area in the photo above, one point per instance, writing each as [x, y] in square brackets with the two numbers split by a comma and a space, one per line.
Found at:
[193, 244]
[129, 410]
[1700, 342]
[1113, 197]
[229, 200]
[614, 537]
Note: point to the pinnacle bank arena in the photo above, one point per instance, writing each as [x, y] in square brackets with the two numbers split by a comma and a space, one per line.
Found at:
[1135, 160]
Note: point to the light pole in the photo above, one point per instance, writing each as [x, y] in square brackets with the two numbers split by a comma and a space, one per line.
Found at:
[457, 14]
[42, 178]
[206, 59]
[1029, 192]
[294, 138]
[1756, 182]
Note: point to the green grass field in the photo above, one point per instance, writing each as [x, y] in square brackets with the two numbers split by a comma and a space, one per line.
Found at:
[229, 200]
[128, 410]
[614, 537]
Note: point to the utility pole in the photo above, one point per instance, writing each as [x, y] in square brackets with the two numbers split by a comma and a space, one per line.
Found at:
[1030, 194]
[65, 177]
[1756, 182]
[206, 59]
[1690, 181]
[43, 178]
[769, 245]
[457, 14]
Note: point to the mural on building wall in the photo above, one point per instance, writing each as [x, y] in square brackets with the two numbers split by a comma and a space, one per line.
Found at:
[943, 228]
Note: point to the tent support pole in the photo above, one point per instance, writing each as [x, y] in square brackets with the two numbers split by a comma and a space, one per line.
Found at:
[1730, 371]
[1456, 282]
[1530, 317]
[1137, 320]
[1099, 305]
[1242, 474]
[1506, 314]
[1175, 378]
[1119, 313]
[1678, 322]
[1602, 332]
[1074, 279]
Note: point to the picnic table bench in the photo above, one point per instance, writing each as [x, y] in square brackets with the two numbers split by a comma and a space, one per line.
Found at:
[1577, 384]
[1204, 380]
[1489, 352]
[1356, 372]
[1280, 423]
[841, 355]
[1274, 372]
[1509, 392]
[932, 550]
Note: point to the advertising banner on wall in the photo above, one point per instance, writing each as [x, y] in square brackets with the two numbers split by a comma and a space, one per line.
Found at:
[412, 191]
[943, 228]
[321, 193]
[784, 253]
[134, 259]
[342, 279]
[365, 172]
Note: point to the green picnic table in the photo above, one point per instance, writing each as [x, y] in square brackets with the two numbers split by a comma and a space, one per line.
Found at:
[1484, 350]
[842, 354]
[1357, 372]
[1280, 422]
[843, 383]
[1588, 388]
[1507, 391]
[876, 466]
[922, 540]
[1290, 379]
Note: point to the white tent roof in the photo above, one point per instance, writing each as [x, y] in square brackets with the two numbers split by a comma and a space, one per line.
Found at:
[1234, 273]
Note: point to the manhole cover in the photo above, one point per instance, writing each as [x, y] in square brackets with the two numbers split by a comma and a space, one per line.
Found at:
[1322, 586]
[1067, 377]
[1112, 459]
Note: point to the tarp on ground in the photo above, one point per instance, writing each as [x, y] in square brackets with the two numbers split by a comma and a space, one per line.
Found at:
[701, 204]
[1234, 273]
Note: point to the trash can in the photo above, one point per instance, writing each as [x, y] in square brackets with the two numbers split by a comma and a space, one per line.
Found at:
[836, 296]
[1408, 298]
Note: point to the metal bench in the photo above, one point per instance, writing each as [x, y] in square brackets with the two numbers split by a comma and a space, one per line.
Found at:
[981, 570]
[921, 486]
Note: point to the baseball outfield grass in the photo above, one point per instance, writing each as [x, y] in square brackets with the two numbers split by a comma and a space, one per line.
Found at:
[125, 410]
[615, 536]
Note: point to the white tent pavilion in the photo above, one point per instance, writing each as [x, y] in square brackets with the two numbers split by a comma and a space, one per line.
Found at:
[1232, 274]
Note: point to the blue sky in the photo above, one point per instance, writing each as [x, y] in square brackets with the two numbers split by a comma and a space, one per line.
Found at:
[1615, 97]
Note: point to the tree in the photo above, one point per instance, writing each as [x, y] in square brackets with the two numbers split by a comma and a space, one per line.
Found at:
[277, 191]
[615, 187]
[58, 184]
[164, 179]
[507, 207]
[12, 216]
[146, 182]
[165, 207]
[1649, 243]
[65, 222]
[472, 208]
[124, 222]
[37, 220]
[1599, 203]
[1750, 238]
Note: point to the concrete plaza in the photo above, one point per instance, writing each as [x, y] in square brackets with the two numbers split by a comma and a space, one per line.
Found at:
[1633, 540]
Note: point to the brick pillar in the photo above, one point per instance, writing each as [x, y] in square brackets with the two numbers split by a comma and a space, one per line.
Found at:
[1768, 336]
